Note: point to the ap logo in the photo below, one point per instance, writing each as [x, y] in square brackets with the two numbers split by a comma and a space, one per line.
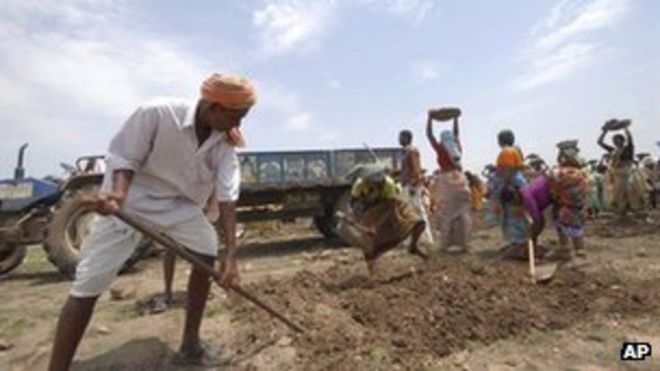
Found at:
[635, 351]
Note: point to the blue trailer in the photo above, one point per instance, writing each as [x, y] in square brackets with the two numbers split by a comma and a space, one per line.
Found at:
[279, 185]
[291, 184]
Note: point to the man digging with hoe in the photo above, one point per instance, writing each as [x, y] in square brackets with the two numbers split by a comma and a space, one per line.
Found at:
[170, 161]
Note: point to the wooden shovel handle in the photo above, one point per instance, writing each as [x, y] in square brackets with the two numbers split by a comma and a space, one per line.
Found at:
[532, 260]
[181, 250]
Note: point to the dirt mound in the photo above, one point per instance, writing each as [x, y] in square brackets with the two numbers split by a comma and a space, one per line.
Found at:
[353, 322]
[623, 228]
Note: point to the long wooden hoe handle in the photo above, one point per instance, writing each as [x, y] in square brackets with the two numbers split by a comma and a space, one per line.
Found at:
[181, 250]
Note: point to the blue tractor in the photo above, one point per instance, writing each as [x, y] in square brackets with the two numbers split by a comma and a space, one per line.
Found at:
[25, 205]
[48, 212]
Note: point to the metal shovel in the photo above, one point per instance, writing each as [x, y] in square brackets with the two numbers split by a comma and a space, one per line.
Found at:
[541, 273]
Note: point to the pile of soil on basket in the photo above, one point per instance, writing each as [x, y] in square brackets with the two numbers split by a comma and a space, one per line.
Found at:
[352, 321]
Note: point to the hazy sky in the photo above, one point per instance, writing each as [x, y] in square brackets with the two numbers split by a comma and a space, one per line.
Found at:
[332, 73]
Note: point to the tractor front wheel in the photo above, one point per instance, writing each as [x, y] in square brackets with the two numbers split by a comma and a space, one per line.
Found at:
[11, 256]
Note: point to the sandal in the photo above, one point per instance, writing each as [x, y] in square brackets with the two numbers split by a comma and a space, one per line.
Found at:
[202, 354]
[159, 304]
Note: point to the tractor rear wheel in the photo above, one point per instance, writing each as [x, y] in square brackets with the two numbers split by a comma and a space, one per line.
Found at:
[69, 226]
[11, 256]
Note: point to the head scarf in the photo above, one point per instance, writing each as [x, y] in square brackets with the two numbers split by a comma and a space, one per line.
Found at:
[449, 143]
[569, 156]
[376, 177]
[233, 92]
[370, 170]
[509, 157]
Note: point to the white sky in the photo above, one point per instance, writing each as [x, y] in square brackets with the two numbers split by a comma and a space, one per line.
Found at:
[331, 73]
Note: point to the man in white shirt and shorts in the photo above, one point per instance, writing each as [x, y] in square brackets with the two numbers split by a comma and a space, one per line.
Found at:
[172, 160]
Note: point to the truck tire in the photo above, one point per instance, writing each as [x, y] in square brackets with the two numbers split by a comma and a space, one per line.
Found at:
[11, 257]
[324, 224]
[327, 222]
[67, 229]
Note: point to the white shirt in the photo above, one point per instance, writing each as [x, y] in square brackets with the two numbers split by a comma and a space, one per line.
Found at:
[174, 177]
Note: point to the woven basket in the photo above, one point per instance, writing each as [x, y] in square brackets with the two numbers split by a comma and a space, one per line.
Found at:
[567, 144]
[445, 114]
[615, 124]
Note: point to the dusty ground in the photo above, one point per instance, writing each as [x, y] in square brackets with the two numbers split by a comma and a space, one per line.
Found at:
[455, 312]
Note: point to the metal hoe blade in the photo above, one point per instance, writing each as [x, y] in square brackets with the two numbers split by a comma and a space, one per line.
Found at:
[540, 273]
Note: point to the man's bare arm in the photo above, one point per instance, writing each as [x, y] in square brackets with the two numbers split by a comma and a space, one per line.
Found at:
[417, 168]
[227, 222]
[121, 182]
[107, 203]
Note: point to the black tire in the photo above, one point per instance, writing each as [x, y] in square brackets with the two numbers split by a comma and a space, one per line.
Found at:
[325, 225]
[67, 229]
[327, 222]
[11, 257]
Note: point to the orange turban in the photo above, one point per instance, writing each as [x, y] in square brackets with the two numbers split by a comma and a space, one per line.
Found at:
[233, 92]
[509, 157]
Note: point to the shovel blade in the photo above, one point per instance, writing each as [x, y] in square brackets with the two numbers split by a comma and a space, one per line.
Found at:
[545, 272]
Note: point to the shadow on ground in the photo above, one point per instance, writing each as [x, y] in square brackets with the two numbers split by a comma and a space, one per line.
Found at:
[139, 354]
[285, 247]
[36, 278]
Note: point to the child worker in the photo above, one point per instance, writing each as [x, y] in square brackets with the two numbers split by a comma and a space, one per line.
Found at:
[505, 206]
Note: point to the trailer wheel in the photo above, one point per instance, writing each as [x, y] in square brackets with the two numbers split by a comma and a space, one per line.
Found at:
[327, 222]
[325, 225]
[11, 257]
[69, 226]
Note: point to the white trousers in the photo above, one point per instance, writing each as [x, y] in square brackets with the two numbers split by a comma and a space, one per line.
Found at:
[414, 195]
[111, 242]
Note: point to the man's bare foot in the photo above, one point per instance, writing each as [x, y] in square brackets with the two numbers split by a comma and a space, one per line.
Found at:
[202, 354]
